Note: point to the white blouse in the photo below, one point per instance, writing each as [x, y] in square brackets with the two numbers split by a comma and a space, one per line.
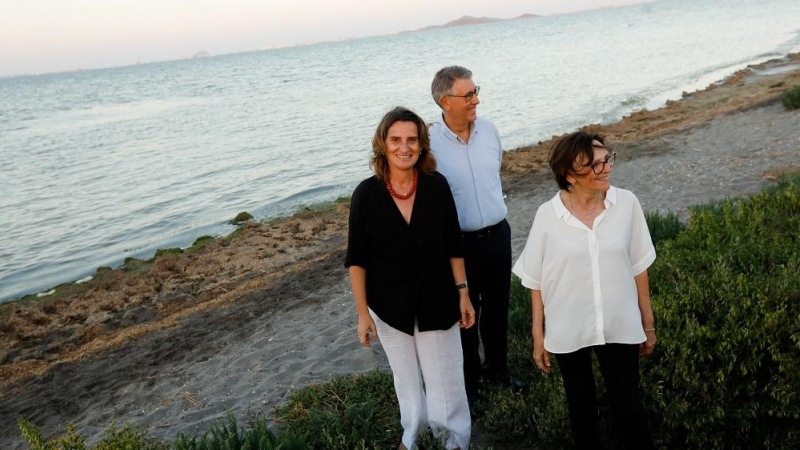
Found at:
[586, 275]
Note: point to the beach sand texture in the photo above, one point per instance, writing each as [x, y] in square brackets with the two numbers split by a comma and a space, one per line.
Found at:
[237, 325]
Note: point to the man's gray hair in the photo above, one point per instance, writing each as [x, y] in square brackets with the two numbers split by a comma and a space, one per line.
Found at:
[444, 80]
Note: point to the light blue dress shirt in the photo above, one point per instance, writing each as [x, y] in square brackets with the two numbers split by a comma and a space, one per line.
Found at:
[473, 172]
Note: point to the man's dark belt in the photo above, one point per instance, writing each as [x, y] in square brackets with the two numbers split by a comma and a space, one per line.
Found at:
[483, 232]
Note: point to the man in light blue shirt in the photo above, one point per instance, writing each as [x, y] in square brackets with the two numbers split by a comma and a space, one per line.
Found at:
[469, 155]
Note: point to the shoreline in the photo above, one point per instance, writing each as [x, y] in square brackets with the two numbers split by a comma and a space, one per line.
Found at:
[513, 165]
[242, 321]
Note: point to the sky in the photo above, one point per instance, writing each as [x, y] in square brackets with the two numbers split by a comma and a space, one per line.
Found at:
[40, 36]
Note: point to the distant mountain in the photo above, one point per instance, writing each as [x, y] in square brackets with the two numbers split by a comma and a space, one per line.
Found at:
[469, 20]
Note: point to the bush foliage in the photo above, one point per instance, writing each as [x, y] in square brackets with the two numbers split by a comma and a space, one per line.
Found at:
[228, 436]
[726, 295]
[126, 438]
[354, 412]
[791, 98]
[663, 227]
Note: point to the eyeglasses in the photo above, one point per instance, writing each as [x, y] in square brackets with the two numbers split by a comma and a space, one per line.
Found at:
[599, 166]
[469, 95]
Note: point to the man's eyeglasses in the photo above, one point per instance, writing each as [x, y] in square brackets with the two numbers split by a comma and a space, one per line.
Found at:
[469, 95]
[599, 166]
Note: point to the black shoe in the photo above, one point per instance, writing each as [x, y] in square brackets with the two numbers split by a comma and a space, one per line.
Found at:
[507, 380]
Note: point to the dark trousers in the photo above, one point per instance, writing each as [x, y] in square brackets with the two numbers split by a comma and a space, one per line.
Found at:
[488, 266]
[619, 365]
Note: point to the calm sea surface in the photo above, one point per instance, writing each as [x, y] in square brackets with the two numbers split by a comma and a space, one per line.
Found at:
[101, 165]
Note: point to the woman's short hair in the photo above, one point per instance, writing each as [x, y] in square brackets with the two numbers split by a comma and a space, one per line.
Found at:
[567, 150]
[444, 80]
[379, 162]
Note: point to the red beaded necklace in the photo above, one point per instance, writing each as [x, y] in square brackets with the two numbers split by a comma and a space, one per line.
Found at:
[403, 196]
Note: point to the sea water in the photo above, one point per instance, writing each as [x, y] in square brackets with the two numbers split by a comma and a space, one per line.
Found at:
[101, 165]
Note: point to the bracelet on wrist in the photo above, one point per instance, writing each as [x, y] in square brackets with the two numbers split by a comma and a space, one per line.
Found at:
[462, 285]
[647, 330]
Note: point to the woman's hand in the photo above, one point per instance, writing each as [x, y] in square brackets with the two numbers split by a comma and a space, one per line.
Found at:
[646, 310]
[541, 357]
[646, 347]
[366, 330]
[467, 311]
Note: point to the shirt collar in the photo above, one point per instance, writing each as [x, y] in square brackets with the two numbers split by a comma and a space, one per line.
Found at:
[450, 134]
[611, 197]
[561, 210]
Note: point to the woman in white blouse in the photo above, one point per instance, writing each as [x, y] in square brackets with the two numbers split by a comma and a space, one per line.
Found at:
[586, 263]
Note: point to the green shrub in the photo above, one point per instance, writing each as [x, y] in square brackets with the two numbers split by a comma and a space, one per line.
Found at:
[130, 438]
[663, 227]
[726, 295]
[126, 438]
[349, 412]
[34, 437]
[791, 98]
[227, 435]
[536, 417]
[222, 435]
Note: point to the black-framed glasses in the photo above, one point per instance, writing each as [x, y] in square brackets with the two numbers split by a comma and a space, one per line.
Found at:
[469, 95]
[599, 166]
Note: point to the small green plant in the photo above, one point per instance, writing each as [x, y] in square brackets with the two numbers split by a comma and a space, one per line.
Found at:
[34, 437]
[536, 417]
[663, 227]
[776, 85]
[227, 435]
[73, 440]
[791, 98]
[126, 438]
[201, 242]
[358, 411]
[129, 437]
[349, 412]
[167, 251]
[243, 216]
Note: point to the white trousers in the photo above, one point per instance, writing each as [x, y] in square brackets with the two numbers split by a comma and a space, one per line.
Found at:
[436, 358]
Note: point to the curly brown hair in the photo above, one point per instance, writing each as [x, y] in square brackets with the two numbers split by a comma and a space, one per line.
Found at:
[379, 163]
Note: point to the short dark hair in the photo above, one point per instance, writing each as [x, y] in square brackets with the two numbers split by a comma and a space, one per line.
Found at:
[566, 150]
[379, 162]
[444, 80]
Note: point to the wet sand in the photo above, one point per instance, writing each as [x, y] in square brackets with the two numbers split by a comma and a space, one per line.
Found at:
[235, 326]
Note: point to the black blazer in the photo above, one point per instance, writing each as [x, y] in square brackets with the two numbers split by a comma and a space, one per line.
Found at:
[408, 270]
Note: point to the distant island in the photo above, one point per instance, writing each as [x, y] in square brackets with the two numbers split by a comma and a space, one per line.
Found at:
[469, 20]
